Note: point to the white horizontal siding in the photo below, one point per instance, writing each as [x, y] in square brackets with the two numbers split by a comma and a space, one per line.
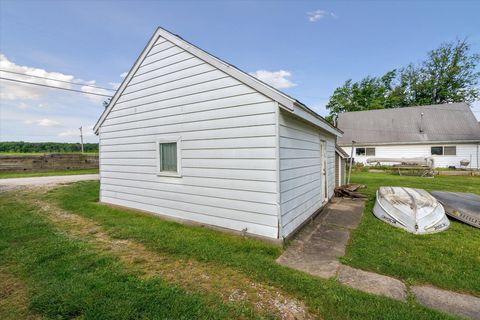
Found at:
[464, 151]
[228, 141]
[301, 189]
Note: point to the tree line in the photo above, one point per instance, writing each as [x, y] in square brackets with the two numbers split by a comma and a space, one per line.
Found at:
[46, 147]
[448, 74]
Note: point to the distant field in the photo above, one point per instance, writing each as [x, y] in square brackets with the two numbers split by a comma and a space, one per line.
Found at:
[41, 153]
[26, 174]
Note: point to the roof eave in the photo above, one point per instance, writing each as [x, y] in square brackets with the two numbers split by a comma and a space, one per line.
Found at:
[359, 143]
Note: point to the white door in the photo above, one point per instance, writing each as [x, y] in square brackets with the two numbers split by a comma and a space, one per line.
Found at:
[323, 161]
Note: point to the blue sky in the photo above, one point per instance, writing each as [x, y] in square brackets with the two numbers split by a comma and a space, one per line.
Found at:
[306, 48]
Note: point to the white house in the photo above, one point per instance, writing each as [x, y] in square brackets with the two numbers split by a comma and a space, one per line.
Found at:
[191, 137]
[448, 133]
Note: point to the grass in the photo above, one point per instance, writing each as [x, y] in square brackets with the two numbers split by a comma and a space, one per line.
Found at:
[253, 258]
[43, 153]
[449, 259]
[25, 174]
[66, 278]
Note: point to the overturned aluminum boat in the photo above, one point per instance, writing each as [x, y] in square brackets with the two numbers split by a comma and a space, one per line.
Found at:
[414, 210]
[462, 206]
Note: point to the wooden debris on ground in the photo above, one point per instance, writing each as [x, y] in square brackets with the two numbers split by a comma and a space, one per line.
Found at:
[350, 191]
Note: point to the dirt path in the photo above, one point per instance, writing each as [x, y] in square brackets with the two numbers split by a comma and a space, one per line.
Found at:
[226, 283]
[13, 297]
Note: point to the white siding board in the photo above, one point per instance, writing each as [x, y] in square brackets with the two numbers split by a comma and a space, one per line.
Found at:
[249, 211]
[300, 170]
[164, 78]
[208, 115]
[253, 228]
[161, 46]
[210, 85]
[213, 133]
[220, 183]
[224, 123]
[172, 86]
[175, 58]
[464, 151]
[189, 101]
[214, 192]
[172, 68]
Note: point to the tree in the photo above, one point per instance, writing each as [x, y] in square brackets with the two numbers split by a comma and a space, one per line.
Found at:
[449, 74]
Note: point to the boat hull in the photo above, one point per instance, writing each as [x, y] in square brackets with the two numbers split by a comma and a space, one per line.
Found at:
[413, 210]
[461, 206]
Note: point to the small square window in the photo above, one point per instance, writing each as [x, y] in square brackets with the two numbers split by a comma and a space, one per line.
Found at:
[370, 151]
[168, 157]
[450, 151]
[360, 151]
[437, 151]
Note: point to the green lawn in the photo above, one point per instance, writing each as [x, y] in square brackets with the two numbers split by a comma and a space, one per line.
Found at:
[43, 153]
[24, 174]
[66, 276]
[253, 258]
[450, 259]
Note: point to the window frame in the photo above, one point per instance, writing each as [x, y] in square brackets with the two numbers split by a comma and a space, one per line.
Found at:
[450, 155]
[443, 151]
[361, 155]
[163, 140]
[370, 148]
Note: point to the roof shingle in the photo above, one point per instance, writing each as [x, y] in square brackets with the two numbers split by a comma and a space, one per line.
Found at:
[441, 123]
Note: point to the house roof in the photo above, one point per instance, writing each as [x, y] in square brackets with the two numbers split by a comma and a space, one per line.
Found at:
[454, 122]
[341, 152]
[285, 101]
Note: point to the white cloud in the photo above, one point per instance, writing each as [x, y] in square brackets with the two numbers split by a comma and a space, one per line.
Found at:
[95, 98]
[22, 106]
[87, 132]
[277, 79]
[114, 85]
[16, 91]
[316, 15]
[44, 123]
[123, 75]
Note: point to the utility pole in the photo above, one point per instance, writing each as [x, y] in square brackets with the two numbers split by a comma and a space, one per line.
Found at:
[351, 163]
[81, 137]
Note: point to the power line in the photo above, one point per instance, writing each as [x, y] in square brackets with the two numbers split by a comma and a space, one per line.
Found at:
[53, 87]
[69, 82]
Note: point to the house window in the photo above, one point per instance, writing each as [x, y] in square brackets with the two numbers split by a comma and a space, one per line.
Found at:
[444, 151]
[437, 151]
[450, 151]
[168, 157]
[370, 151]
[360, 151]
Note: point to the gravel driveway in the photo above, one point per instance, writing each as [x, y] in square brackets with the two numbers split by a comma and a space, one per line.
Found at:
[44, 181]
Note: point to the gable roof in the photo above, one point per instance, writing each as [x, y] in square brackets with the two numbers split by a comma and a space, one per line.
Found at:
[285, 101]
[453, 122]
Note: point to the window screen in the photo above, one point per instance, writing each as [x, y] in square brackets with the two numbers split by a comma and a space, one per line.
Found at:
[360, 151]
[370, 151]
[168, 157]
[450, 151]
[437, 151]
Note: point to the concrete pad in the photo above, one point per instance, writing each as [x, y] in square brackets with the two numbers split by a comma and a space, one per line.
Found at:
[346, 219]
[447, 301]
[324, 268]
[332, 233]
[372, 283]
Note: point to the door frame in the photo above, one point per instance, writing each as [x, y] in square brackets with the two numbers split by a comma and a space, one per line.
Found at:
[323, 169]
